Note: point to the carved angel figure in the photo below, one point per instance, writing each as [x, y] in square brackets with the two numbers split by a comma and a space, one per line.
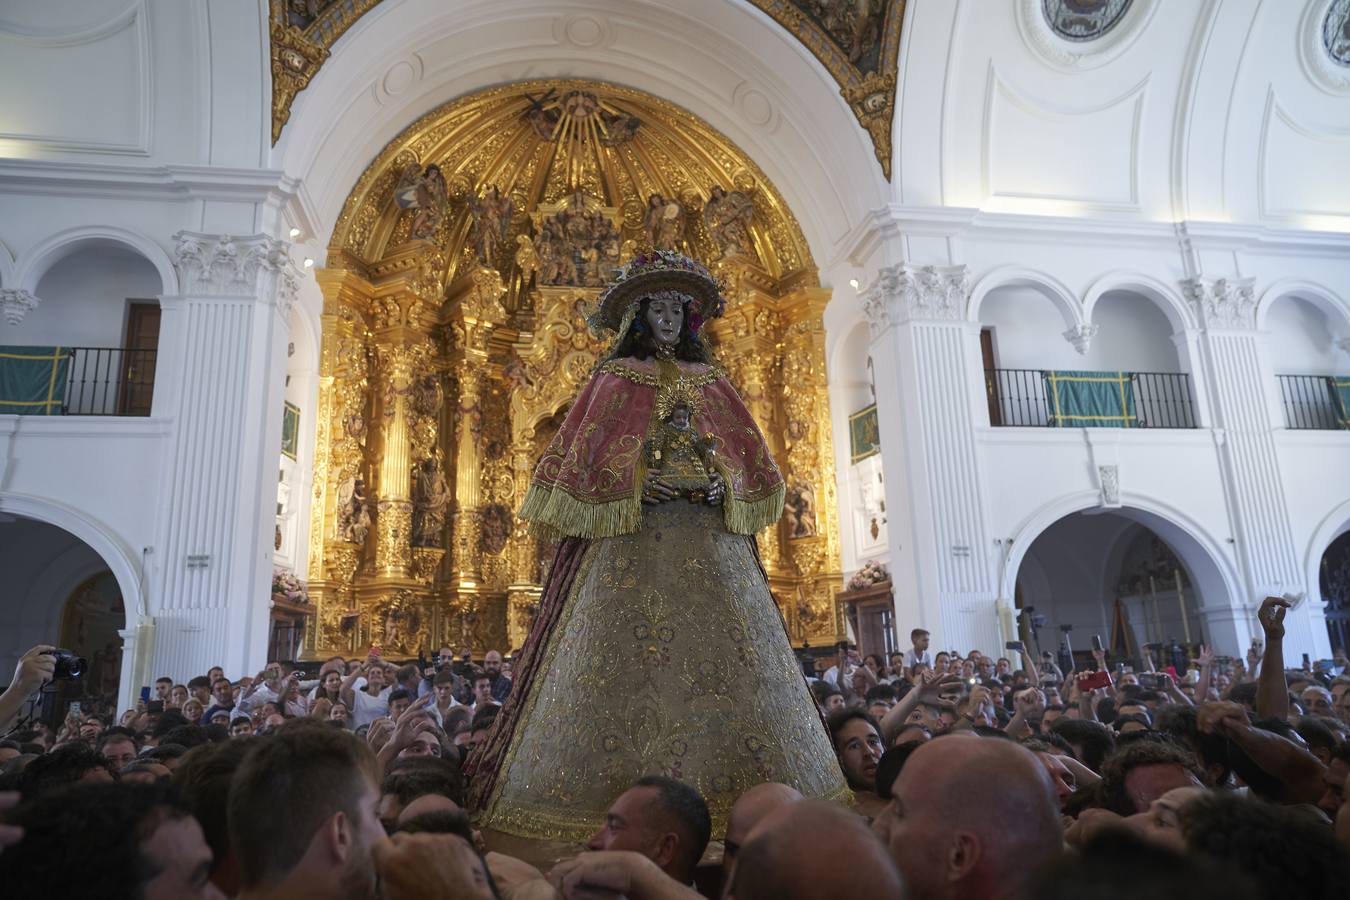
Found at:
[727, 217]
[354, 521]
[491, 220]
[664, 222]
[425, 192]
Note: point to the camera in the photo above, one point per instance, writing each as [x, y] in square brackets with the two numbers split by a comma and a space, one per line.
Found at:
[68, 665]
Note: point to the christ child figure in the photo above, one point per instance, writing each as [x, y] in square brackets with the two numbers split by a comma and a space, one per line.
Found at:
[683, 459]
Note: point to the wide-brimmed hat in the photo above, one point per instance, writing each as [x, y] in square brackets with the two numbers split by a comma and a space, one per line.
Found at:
[647, 274]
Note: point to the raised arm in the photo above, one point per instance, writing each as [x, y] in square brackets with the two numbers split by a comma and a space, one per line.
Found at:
[1301, 775]
[346, 691]
[35, 668]
[930, 688]
[1272, 691]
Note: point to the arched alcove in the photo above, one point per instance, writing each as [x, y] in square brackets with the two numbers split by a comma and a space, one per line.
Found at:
[60, 591]
[1108, 574]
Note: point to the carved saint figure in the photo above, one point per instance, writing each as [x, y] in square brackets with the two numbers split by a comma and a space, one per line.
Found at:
[425, 192]
[491, 221]
[655, 603]
[727, 217]
[577, 246]
[353, 511]
[431, 504]
[800, 507]
[663, 221]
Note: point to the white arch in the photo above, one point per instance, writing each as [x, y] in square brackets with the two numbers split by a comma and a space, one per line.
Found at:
[6, 267]
[1211, 568]
[1164, 296]
[1320, 295]
[1335, 524]
[39, 259]
[119, 557]
[1019, 276]
[723, 62]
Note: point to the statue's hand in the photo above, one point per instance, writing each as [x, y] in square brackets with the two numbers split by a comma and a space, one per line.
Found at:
[655, 491]
[717, 492]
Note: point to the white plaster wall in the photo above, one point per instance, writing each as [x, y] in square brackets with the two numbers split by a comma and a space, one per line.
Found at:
[84, 299]
[1301, 339]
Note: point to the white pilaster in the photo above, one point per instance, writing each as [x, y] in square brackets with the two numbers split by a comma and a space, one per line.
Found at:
[924, 353]
[225, 337]
[1245, 416]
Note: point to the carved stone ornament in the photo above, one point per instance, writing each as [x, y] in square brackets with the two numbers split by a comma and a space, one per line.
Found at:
[1082, 34]
[225, 266]
[1109, 476]
[1081, 337]
[1224, 303]
[15, 304]
[904, 292]
[1343, 345]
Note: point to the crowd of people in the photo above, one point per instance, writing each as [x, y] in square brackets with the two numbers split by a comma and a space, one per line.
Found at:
[973, 777]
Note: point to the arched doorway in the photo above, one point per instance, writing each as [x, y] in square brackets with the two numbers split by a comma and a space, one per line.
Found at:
[58, 590]
[456, 288]
[1129, 576]
[1333, 578]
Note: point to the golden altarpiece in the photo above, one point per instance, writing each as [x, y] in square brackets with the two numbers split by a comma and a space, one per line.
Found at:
[453, 340]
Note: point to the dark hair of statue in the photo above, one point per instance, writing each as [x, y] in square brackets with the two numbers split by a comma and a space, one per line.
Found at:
[639, 344]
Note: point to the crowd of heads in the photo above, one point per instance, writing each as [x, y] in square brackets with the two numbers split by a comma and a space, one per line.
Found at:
[972, 776]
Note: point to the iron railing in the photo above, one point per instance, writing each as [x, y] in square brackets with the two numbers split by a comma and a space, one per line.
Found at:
[1017, 397]
[1309, 402]
[109, 381]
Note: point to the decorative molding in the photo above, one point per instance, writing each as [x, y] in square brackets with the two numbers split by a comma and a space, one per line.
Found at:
[1081, 337]
[906, 292]
[224, 266]
[1324, 73]
[1042, 40]
[301, 42]
[1109, 479]
[1228, 303]
[867, 81]
[16, 303]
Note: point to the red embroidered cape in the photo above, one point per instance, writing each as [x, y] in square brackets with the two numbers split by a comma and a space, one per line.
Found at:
[588, 483]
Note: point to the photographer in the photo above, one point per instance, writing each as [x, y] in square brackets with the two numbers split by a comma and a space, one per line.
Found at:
[35, 668]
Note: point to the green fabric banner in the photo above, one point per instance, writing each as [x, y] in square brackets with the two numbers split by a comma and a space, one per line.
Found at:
[1340, 399]
[1090, 399]
[33, 380]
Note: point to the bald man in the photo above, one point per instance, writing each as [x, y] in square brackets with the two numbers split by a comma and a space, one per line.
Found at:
[746, 813]
[805, 850]
[971, 817]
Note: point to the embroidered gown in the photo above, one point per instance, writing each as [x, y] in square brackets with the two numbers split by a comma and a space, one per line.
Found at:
[657, 648]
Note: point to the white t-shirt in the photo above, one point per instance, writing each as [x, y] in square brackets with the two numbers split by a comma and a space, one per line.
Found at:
[913, 659]
[367, 709]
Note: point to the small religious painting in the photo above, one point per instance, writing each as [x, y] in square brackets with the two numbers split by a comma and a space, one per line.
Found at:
[290, 430]
[863, 438]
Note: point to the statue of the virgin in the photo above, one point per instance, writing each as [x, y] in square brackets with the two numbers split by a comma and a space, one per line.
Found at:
[657, 648]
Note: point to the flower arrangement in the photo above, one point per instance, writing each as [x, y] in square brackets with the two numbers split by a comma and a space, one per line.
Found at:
[871, 573]
[286, 585]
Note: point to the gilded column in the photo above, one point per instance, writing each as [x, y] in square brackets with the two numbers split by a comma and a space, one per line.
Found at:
[393, 522]
[478, 311]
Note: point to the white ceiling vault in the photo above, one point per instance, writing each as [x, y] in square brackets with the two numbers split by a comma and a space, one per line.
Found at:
[1191, 109]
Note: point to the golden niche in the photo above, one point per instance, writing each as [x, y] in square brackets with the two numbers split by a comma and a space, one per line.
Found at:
[458, 279]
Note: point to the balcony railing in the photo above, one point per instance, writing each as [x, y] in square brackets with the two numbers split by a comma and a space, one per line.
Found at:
[109, 381]
[1017, 397]
[1310, 401]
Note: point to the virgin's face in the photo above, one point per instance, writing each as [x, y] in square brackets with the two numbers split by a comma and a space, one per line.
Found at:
[665, 319]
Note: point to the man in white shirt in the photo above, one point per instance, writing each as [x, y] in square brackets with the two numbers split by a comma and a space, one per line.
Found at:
[918, 654]
[368, 701]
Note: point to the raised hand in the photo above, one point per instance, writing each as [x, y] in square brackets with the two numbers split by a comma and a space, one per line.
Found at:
[1271, 617]
[717, 492]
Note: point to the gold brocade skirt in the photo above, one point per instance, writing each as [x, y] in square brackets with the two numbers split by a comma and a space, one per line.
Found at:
[668, 658]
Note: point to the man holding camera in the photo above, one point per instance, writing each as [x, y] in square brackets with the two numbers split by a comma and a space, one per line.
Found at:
[35, 668]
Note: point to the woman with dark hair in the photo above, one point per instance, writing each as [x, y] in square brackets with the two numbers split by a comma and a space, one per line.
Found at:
[657, 647]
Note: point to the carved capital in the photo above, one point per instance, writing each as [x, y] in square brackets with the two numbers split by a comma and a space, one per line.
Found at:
[15, 304]
[904, 292]
[1227, 303]
[1081, 337]
[220, 265]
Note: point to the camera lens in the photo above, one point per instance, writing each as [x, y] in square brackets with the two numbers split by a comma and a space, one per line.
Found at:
[68, 665]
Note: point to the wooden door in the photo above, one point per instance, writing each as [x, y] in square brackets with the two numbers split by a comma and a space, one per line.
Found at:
[138, 359]
[991, 391]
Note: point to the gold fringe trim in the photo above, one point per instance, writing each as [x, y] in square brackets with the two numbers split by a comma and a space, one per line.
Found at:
[750, 517]
[553, 514]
